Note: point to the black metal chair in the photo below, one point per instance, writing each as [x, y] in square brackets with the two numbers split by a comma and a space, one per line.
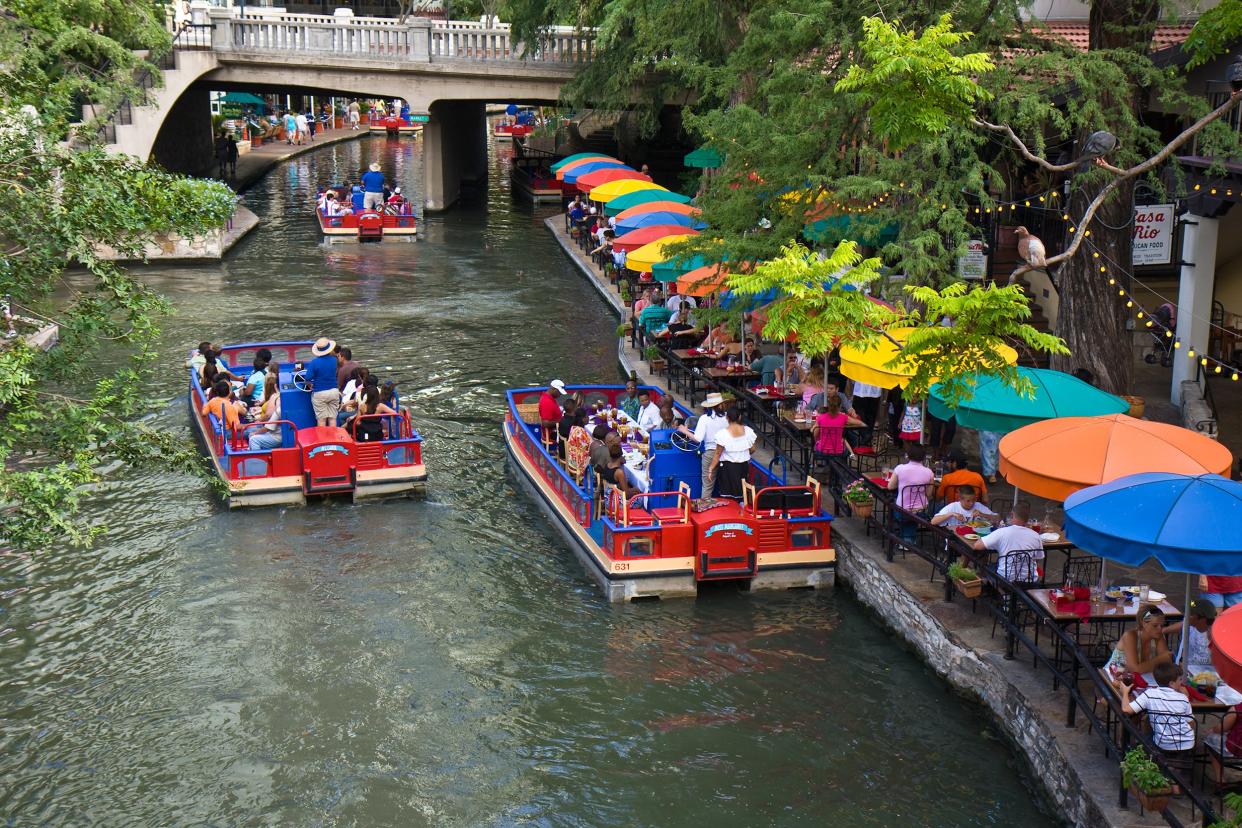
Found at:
[1084, 571]
[1217, 755]
[1021, 569]
[1168, 729]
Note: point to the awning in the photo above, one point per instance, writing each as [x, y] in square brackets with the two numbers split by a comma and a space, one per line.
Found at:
[704, 158]
[243, 98]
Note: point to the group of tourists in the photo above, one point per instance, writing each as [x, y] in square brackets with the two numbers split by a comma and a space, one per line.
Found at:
[343, 393]
[372, 194]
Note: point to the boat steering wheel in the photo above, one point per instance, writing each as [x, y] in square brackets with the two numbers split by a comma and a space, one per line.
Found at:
[681, 441]
[299, 381]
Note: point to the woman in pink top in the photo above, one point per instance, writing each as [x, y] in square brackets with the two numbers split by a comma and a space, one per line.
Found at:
[813, 385]
[829, 428]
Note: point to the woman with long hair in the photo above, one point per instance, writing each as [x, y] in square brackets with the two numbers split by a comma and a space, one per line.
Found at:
[734, 445]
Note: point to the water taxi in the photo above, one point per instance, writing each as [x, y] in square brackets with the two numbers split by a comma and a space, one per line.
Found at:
[312, 460]
[508, 130]
[666, 541]
[367, 226]
[532, 178]
[394, 125]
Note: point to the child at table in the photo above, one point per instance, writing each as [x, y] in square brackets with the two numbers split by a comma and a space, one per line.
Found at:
[1168, 709]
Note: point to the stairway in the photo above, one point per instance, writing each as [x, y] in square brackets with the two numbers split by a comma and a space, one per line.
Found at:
[602, 141]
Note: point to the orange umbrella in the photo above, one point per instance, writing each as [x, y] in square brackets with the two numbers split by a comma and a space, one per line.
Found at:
[1055, 458]
[661, 206]
[646, 235]
[702, 281]
[590, 159]
[591, 180]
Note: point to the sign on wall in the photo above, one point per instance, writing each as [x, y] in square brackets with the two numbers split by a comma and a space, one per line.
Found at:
[973, 265]
[1153, 235]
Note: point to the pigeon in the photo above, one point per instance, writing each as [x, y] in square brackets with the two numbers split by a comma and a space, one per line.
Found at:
[1030, 248]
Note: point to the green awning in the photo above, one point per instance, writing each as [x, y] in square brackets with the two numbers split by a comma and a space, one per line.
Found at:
[705, 158]
[633, 199]
[864, 229]
[243, 98]
[668, 271]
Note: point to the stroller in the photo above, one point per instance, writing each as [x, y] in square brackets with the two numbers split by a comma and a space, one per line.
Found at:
[1160, 348]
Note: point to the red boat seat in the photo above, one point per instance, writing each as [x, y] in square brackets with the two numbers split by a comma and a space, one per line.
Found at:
[669, 514]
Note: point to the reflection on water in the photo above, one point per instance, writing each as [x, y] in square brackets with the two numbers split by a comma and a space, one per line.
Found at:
[441, 661]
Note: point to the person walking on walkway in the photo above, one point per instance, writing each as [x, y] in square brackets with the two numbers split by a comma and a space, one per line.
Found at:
[355, 114]
[303, 128]
[311, 123]
[222, 154]
[233, 153]
[291, 127]
[373, 188]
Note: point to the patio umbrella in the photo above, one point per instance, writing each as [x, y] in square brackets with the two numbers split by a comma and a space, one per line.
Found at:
[658, 217]
[995, 406]
[1186, 523]
[1055, 458]
[670, 269]
[615, 189]
[870, 365]
[644, 258]
[629, 200]
[703, 281]
[635, 239]
[598, 178]
[704, 158]
[581, 156]
[663, 206]
[572, 173]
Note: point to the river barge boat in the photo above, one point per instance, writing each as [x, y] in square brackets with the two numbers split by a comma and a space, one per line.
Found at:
[666, 541]
[394, 126]
[367, 226]
[311, 460]
[508, 131]
[532, 178]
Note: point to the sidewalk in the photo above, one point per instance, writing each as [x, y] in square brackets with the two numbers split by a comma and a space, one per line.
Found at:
[252, 166]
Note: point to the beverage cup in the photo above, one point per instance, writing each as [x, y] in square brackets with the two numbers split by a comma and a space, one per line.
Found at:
[1144, 593]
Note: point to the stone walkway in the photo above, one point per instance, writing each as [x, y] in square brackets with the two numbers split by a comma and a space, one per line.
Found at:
[1066, 764]
[254, 165]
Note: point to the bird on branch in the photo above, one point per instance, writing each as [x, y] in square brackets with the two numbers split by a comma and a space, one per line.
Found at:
[1030, 248]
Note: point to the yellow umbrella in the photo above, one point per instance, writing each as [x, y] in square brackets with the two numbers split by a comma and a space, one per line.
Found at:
[613, 189]
[871, 365]
[646, 257]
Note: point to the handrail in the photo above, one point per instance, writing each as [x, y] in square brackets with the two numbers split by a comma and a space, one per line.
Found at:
[403, 423]
[239, 434]
[1005, 602]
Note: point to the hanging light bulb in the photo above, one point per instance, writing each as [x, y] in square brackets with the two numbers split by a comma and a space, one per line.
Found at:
[1121, 292]
[1191, 353]
[1129, 304]
[1149, 323]
[1103, 269]
[1111, 280]
[1177, 344]
[1203, 362]
[1095, 254]
[1235, 376]
[1168, 333]
[1217, 369]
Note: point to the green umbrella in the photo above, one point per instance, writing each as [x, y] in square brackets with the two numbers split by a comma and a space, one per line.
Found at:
[633, 199]
[997, 407]
[668, 271]
[575, 157]
[704, 158]
[835, 229]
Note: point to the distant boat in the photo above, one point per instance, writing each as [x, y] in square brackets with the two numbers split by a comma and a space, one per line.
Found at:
[311, 460]
[395, 125]
[665, 542]
[507, 132]
[532, 178]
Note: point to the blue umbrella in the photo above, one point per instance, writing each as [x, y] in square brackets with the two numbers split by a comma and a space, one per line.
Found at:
[1186, 523]
[657, 217]
[511, 109]
[582, 169]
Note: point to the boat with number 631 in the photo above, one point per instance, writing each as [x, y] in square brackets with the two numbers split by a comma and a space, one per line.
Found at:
[311, 460]
[665, 541]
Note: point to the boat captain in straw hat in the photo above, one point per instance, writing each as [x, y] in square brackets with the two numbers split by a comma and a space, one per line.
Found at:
[705, 431]
[373, 188]
[321, 376]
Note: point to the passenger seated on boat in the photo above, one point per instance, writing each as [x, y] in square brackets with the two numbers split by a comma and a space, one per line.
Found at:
[351, 394]
[227, 411]
[397, 203]
[345, 365]
[368, 430]
[573, 416]
[648, 412]
[613, 471]
[598, 450]
[579, 442]
[336, 207]
[357, 198]
[252, 391]
[550, 411]
[212, 373]
[268, 437]
[668, 414]
[629, 403]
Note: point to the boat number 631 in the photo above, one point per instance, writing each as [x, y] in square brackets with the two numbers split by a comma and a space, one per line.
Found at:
[620, 567]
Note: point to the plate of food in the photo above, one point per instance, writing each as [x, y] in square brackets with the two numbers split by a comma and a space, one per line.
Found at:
[1048, 537]
[973, 536]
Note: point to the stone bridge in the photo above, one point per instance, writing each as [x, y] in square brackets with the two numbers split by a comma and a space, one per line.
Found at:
[446, 70]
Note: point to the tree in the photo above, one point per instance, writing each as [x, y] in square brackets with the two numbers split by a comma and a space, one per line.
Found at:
[59, 204]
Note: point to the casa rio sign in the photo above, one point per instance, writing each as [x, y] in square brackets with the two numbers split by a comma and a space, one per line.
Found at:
[1152, 243]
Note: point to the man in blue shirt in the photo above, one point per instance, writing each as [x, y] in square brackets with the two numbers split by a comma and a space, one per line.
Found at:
[768, 367]
[291, 127]
[321, 376]
[373, 185]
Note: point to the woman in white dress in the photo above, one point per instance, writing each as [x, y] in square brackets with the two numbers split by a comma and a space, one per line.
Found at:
[734, 445]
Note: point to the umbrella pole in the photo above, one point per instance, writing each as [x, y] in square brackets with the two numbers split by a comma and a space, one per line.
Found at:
[922, 422]
[1181, 651]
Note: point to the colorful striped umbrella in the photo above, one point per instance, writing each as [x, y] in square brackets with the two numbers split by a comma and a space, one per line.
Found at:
[633, 199]
[617, 189]
[646, 235]
[660, 206]
[571, 174]
[578, 158]
[645, 258]
[591, 180]
[658, 217]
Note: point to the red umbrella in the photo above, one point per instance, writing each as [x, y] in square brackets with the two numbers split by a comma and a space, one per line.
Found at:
[1226, 645]
[591, 180]
[646, 235]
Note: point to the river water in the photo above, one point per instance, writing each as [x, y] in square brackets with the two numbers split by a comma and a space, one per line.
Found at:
[441, 661]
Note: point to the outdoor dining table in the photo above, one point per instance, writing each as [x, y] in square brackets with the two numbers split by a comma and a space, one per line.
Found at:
[731, 376]
[1098, 611]
[689, 354]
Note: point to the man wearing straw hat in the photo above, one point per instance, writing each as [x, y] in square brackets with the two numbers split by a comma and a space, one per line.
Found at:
[373, 188]
[321, 375]
[704, 434]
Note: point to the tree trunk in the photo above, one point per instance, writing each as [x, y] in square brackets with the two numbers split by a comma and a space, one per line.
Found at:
[1092, 316]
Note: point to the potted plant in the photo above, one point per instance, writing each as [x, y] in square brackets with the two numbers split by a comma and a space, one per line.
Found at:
[655, 359]
[623, 330]
[1137, 406]
[967, 581]
[859, 497]
[1144, 779]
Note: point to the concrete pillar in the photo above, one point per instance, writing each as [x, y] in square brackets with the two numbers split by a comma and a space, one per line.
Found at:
[221, 29]
[1194, 295]
[473, 136]
[454, 147]
[440, 183]
[420, 40]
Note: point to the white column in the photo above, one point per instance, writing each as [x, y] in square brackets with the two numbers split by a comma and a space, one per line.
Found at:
[1194, 296]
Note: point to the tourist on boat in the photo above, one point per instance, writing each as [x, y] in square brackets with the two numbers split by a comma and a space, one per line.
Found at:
[337, 207]
[221, 404]
[599, 445]
[613, 470]
[668, 414]
[321, 375]
[1017, 547]
[268, 437]
[709, 425]
[575, 417]
[648, 412]
[346, 365]
[252, 392]
[629, 402]
[357, 198]
[366, 427]
[351, 394]
[373, 185]
[731, 460]
[578, 443]
[768, 366]
[397, 203]
[550, 411]
[965, 511]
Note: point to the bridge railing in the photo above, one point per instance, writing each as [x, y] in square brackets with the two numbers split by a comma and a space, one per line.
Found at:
[415, 40]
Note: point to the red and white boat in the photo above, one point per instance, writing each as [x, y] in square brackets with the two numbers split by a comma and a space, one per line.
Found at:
[368, 225]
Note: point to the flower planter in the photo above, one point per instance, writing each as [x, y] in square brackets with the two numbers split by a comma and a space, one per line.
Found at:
[862, 511]
[1137, 406]
[657, 365]
[969, 589]
[1153, 800]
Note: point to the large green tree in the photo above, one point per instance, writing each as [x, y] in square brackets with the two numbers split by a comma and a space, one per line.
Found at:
[60, 203]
